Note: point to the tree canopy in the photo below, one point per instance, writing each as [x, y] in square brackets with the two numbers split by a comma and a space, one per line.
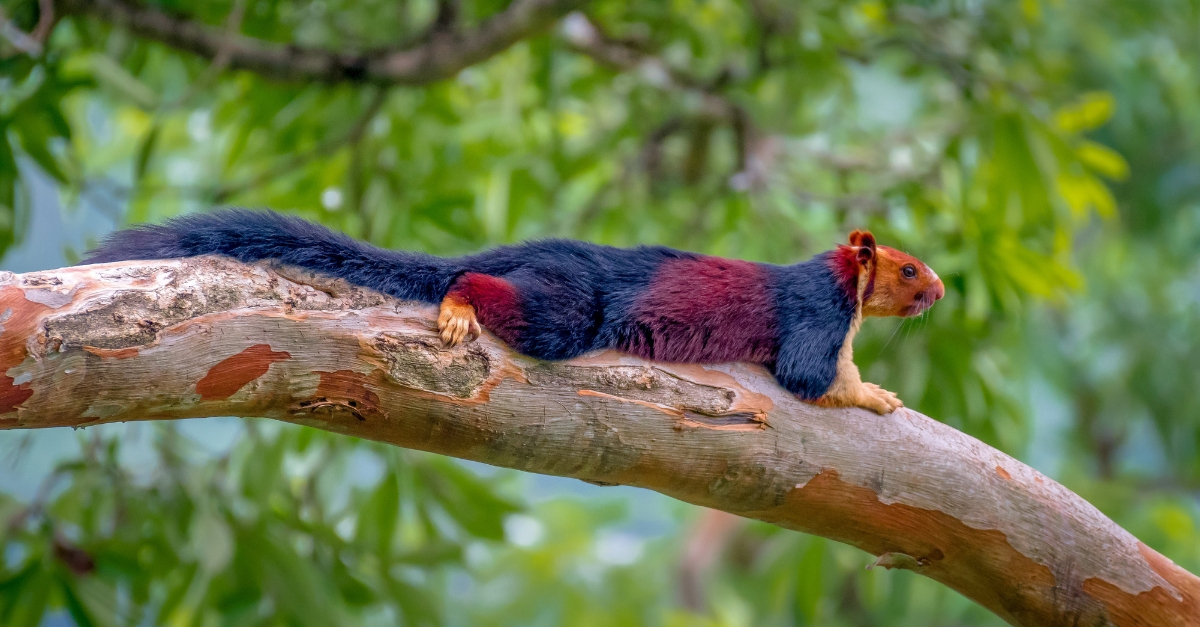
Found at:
[1040, 155]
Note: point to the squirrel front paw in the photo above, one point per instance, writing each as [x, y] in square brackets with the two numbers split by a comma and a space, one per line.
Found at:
[879, 400]
[865, 395]
[456, 322]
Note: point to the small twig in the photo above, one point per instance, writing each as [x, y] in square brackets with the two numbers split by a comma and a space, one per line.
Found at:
[22, 41]
[46, 20]
[447, 16]
[585, 37]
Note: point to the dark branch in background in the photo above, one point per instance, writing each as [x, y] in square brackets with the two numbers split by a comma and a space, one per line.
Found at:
[46, 21]
[768, 26]
[441, 56]
[447, 16]
[32, 43]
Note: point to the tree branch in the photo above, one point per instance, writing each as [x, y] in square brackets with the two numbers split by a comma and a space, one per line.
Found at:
[162, 340]
[442, 55]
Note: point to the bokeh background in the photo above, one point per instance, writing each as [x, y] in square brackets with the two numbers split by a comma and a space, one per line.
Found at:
[1042, 155]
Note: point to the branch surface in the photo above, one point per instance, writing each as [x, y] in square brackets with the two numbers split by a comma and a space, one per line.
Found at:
[163, 340]
[440, 55]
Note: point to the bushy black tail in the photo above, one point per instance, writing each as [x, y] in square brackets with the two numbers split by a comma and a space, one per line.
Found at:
[250, 236]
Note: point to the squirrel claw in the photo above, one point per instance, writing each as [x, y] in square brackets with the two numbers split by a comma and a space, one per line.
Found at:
[456, 323]
[879, 400]
[865, 395]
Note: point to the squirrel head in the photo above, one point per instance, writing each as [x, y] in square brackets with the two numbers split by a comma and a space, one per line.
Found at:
[891, 283]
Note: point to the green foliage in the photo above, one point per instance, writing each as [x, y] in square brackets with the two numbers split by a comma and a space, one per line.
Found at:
[1041, 156]
[293, 526]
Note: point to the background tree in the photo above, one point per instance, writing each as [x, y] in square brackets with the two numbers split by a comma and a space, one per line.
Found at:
[1041, 155]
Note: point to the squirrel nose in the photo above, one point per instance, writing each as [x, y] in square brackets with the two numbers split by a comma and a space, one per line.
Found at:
[939, 290]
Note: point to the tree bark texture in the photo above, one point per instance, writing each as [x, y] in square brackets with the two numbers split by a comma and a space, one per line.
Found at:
[200, 337]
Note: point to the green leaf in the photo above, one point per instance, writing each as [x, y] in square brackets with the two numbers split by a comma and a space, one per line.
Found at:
[353, 590]
[1092, 110]
[466, 498]
[111, 74]
[75, 607]
[432, 553]
[145, 151]
[28, 600]
[377, 517]
[8, 183]
[417, 607]
[810, 580]
[263, 468]
[212, 541]
[177, 583]
[36, 133]
[1104, 160]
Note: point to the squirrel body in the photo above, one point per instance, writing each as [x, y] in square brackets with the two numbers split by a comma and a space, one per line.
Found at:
[558, 299]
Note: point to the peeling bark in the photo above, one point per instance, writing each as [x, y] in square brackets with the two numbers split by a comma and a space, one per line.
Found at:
[201, 337]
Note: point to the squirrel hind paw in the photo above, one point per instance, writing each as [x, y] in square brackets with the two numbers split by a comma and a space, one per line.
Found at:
[457, 323]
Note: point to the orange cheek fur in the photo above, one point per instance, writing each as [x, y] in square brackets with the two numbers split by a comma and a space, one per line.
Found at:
[893, 295]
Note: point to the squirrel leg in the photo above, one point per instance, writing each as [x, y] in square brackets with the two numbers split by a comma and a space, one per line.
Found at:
[456, 321]
[849, 390]
[476, 299]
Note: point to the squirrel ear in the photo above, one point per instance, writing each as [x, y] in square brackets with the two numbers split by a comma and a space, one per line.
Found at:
[865, 243]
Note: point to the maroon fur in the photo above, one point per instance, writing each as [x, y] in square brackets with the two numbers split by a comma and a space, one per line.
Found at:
[845, 263]
[497, 303]
[706, 310]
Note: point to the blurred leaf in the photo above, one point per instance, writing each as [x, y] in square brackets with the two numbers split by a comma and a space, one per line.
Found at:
[466, 498]
[1104, 160]
[145, 152]
[212, 542]
[1090, 111]
[178, 584]
[27, 595]
[111, 74]
[74, 606]
[377, 517]
[35, 136]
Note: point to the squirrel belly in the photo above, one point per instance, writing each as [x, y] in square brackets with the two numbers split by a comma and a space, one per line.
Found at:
[558, 299]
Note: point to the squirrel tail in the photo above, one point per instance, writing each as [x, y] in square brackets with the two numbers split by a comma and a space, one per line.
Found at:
[250, 236]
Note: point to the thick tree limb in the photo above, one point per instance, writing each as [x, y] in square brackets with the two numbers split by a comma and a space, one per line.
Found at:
[441, 55]
[210, 337]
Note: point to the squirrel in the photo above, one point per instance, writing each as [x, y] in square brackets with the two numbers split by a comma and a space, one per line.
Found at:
[557, 299]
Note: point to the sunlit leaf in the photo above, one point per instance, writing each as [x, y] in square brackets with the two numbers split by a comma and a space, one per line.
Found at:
[1104, 160]
[1090, 111]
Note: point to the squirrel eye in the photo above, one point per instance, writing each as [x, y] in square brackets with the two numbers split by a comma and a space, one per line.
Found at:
[909, 272]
